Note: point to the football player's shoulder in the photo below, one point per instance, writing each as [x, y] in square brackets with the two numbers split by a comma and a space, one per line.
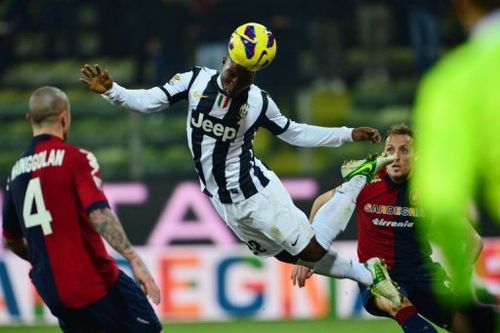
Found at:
[71, 149]
[375, 183]
[259, 97]
[258, 92]
[452, 69]
[82, 152]
[255, 88]
[196, 70]
[78, 155]
[204, 70]
[381, 175]
[200, 74]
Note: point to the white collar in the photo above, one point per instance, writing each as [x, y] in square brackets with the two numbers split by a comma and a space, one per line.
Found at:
[487, 23]
[219, 82]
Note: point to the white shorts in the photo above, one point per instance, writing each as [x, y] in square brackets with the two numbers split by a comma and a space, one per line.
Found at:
[268, 222]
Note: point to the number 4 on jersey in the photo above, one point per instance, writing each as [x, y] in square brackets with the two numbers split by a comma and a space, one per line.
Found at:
[41, 216]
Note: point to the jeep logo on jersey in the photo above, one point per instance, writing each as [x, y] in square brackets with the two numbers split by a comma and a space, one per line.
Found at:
[213, 127]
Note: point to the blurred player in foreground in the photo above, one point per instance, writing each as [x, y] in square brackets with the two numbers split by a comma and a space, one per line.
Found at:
[53, 216]
[224, 112]
[388, 223]
[457, 122]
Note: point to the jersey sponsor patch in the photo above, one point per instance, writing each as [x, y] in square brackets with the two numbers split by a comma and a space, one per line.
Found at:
[199, 95]
[393, 210]
[392, 224]
[213, 127]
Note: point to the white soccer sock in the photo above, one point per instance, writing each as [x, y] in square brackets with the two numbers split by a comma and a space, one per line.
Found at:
[336, 265]
[332, 218]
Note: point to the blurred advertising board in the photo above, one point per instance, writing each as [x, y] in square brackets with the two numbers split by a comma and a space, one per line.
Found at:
[207, 283]
[164, 212]
[204, 272]
[202, 283]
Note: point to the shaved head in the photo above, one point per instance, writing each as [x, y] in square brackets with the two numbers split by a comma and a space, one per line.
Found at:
[46, 103]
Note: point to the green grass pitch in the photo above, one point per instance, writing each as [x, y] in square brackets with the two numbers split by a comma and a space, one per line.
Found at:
[247, 326]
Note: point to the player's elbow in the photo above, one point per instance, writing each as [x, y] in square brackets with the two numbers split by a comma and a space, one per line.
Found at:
[17, 246]
[101, 218]
[11, 244]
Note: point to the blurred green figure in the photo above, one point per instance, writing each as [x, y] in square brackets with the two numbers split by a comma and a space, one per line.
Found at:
[457, 124]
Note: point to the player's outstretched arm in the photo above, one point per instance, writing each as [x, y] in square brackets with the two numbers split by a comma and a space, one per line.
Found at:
[108, 226]
[96, 79]
[366, 134]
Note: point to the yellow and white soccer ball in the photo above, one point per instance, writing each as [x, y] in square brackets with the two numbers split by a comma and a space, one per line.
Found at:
[252, 46]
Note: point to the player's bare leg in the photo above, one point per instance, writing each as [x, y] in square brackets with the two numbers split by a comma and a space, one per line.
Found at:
[332, 218]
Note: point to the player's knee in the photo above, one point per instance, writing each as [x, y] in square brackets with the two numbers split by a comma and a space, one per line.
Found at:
[312, 252]
[311, 257]
[284, 256]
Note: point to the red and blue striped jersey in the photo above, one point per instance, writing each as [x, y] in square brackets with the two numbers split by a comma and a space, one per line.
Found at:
[387, 221]
[51, 190]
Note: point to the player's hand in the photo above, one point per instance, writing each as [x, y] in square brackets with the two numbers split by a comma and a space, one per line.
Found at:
[366, 134]
[300, 274]
[146, 280]
[98, 80]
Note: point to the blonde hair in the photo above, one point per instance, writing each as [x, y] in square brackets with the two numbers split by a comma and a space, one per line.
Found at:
[399, 129]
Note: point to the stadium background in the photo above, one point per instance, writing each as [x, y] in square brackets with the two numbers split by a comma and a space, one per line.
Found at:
[349, 62]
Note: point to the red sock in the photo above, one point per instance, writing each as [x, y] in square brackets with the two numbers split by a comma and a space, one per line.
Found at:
[405, 313]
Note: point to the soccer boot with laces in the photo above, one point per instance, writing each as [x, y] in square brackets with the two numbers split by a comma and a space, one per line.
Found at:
[368, 167]
[383, 285]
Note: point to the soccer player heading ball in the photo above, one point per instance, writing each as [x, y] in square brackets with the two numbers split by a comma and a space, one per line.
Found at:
[252, 46]
[224, 111]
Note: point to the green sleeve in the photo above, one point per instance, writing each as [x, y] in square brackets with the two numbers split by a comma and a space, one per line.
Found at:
[446, 151]
[457, 139]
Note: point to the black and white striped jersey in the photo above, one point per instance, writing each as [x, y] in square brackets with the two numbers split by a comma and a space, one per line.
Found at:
[220, 129]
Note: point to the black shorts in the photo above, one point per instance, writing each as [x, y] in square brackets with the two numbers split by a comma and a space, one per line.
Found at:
[426, 286]
[125, 309]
